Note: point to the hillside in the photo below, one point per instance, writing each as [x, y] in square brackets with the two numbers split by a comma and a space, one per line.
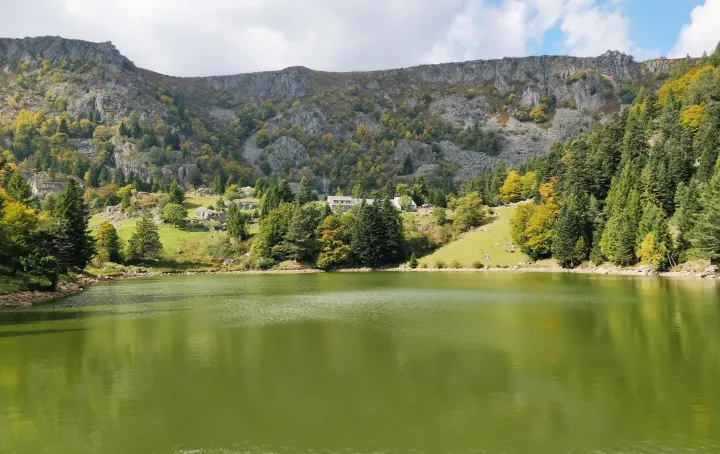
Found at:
[442, 122]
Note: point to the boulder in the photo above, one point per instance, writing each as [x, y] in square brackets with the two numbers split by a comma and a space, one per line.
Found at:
[208, 214]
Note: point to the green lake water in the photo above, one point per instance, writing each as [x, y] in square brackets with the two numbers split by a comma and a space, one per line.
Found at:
[366, 363]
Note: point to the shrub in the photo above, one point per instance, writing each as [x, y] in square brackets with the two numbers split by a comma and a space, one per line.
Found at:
[478, 265]
[423, 265]
[413, 263]
[522, 114]
[537, 115]
[470, 93]
[456, 265]
[439, 265]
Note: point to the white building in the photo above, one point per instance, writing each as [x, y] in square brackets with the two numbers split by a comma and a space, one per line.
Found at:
[411, 207]
[346, 202]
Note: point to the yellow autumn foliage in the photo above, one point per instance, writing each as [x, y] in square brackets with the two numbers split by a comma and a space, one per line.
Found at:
[694, 116]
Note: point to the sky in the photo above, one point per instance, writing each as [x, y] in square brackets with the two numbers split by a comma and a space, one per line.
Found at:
[213, 37]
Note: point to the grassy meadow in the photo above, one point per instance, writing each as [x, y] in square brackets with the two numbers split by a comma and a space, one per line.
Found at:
[490, 245]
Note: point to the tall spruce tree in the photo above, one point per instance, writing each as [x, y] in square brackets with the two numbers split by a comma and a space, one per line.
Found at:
[73, 216]
[706, 235]
[217, 185]
[302, 242]
[176, 193]
[18, 189]
[395, 250]
[236, 222]
[304, 194]
[145, 242]
[369, 236]
[572, 230]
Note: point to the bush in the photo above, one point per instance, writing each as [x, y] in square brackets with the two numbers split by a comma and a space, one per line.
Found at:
[423, 265]
[439, 265]
[478, 265]
[537, 115]
[470, 93]
[174, 214]
[413, 263]
[522, 114]
[456, 265]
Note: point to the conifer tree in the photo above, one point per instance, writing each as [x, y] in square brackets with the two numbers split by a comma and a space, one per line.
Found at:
[571, 232]
[369, 236]
[301, 236]
[706, 236]
[236, 222]
[18, 189]
[73, 214]
[687, 201]
[145, 242]
[304, 194]
[176, 193]
[395, 236]
[217, 185]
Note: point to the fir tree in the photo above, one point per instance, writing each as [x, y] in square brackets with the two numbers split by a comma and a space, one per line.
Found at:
[145, 242]
[569, 244]
[301, 236]
[18, 189]
[304, 194]
[176, 194]
[706, 236]
[687, 201]
[395, 235]
[236, 222]
[217, 185]
[73, 214]
[368, 240]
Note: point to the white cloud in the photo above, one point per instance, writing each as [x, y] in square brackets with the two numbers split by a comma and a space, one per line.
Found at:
[191, 37]
[702, 33]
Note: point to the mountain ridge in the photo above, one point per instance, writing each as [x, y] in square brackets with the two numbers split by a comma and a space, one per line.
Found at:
[448, 119]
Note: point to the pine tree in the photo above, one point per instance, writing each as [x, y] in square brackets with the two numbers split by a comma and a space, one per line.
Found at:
[73, 214]
[687, 201]
[302, 232]
[18, 189]
[706, 235]
[570, 232]
[145, 242]
[63, 127]
[395, 250]
[369, 239]
[413, 263]
[123, 130]
[217, 185]
[119, 178]
[304, 194]
[285, 194]
[176, 193]
[236, 222]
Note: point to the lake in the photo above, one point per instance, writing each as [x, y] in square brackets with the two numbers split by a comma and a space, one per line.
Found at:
[366, 363]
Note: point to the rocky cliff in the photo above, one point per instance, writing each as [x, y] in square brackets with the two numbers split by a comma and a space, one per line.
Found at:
[56, 75]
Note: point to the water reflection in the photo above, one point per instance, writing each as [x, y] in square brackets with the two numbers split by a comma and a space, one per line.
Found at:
[496, 362]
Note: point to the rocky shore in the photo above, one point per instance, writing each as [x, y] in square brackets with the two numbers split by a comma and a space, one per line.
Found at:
[32, 298]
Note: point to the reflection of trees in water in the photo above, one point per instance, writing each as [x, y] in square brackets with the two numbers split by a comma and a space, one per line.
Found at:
[565, 363]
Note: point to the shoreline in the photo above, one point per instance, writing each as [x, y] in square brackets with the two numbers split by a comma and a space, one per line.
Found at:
[24, 299]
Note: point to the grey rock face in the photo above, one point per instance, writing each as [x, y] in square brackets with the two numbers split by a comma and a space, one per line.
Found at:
[41, 185]
[286, 151]
[56, 49]
[460, 111]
